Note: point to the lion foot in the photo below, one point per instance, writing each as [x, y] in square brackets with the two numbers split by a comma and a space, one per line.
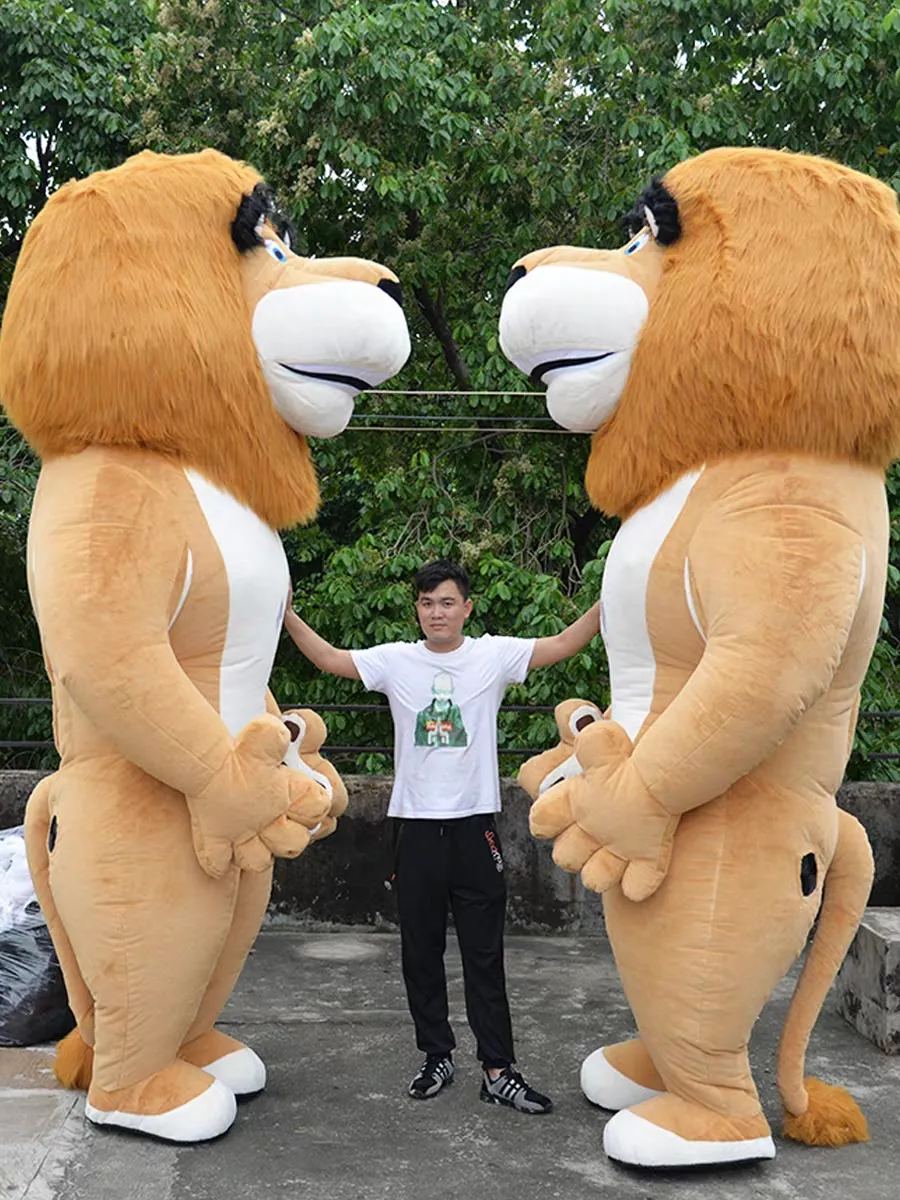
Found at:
[620, 1076]
[231, 1062]
[181, 1103]
[668, 1132]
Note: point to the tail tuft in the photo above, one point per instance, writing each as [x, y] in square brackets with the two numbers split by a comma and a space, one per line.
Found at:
[832, 1118]
[74, 1062]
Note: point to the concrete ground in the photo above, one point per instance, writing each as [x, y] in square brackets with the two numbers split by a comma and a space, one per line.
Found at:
[327, 1013]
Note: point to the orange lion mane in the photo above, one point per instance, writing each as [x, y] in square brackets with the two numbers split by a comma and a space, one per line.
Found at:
[127, 325]
[775, 326]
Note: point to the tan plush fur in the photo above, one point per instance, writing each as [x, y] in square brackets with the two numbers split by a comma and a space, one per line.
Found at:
[633, 1061]
[209, 1046]
[742, 598]
[73, 1063]
[832, 1118]
[161, 1093]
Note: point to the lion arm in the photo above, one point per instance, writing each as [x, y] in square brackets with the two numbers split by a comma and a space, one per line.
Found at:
[779, 585]
[106, 570]
[107, 577]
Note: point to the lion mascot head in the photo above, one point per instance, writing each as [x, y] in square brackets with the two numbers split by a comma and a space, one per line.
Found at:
[159, 305]
[755, 309]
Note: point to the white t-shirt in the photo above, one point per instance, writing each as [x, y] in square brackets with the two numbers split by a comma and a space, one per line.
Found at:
[445, 720]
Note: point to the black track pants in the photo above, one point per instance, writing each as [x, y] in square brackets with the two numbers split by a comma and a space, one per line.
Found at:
[454, 864]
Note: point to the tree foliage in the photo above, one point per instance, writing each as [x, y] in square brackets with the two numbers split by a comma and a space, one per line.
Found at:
[63, 100]
[446, 139]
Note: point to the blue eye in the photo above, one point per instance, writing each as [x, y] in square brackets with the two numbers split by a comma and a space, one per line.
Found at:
[275, 250]
[638, 243]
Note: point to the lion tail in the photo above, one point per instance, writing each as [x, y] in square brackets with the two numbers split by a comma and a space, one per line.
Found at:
[74, 1062]
[818, 1113]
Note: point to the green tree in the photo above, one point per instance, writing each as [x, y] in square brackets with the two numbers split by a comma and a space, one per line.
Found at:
[21, 665]
[63, 101]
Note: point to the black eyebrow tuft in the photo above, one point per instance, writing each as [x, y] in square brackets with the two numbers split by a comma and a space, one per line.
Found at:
[258, 206]
[662, 204]
[284, 228]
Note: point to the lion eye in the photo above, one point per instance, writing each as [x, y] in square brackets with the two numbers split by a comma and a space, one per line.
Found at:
[638, 242]
[275, 250]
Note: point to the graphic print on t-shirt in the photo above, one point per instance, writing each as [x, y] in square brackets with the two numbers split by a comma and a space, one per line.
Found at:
[454, 772]
[441, 723]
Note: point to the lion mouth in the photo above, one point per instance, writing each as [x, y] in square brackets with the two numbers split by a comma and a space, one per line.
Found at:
[350, 381]
[558, 364]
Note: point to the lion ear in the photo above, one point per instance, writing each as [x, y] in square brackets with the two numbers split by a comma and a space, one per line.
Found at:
[657, 209]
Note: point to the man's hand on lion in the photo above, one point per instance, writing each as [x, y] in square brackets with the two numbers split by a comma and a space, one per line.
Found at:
[604, 822]
[254, 807]
[538, 774]
[308, 733]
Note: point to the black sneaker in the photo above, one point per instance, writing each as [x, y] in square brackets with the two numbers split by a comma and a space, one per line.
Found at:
[436, 1072]
[511, 1089]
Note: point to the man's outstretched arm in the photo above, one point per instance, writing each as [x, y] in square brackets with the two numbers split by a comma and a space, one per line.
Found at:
[319, 652]
[550, 650]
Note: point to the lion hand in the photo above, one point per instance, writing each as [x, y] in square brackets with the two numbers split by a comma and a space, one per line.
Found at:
[308, 733]
[604, 822]
[288, 835]
[254, 807]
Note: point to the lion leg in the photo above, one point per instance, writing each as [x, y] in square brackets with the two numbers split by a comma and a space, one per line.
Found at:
[146, 926]
[225, 1058]
[618, 1076]
[74, 1057]
[698, 960]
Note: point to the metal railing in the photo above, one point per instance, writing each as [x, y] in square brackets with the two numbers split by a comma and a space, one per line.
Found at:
[332, 748]
[337, 749]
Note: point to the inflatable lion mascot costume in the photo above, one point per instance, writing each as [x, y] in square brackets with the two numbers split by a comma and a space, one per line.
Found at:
[165, 353]
[739, 360]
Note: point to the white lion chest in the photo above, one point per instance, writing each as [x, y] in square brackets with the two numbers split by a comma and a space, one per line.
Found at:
[257, 574]
[623, 603]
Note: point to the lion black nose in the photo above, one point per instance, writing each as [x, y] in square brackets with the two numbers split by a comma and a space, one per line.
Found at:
[393, 289]
[514, 276]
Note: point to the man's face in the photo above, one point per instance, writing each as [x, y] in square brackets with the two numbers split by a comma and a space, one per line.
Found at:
[442, 613]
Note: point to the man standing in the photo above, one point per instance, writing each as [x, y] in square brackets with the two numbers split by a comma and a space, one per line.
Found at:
[444, 694]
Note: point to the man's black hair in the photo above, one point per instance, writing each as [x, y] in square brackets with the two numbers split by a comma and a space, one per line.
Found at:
[435, 573]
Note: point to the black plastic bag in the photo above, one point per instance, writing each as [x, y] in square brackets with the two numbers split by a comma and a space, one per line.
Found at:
[34, 1007]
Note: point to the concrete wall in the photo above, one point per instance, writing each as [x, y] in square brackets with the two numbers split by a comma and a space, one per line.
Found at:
[345, 880]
